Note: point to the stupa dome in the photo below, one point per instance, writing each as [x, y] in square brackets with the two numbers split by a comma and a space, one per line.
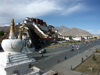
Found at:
[12, 45]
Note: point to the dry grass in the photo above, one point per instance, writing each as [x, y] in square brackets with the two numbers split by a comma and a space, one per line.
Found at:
[84, 67]
[60, 73]
[98, 51]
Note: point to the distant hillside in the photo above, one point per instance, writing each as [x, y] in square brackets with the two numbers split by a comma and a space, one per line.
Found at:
[61, 28]
[5, 28]
[72, 31]
[97, 34]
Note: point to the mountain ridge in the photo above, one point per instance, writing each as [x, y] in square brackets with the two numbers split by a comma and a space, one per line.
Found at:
[65, 31]
[4, 28]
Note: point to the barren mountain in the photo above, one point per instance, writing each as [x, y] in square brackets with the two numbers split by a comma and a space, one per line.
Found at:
[72, 31]
[61, 28]
[5, 28]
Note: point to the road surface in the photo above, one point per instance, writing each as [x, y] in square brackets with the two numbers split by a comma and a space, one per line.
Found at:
[49, 59]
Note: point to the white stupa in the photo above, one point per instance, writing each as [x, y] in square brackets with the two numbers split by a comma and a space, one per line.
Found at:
[12, 60]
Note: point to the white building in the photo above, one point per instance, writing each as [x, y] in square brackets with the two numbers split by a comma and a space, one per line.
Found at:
[77, 38]
[67, 38]
[42, 27]
[90, 37]
[28, 22]
[85, 37]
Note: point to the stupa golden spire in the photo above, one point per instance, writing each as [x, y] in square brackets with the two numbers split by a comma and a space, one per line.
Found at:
[12, 34]
[20, 34]
[12, 26]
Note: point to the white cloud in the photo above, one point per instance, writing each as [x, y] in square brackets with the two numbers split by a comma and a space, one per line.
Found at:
[73, 9]
[89, 30]
[96, 32]
[19, 9]
[7, 24]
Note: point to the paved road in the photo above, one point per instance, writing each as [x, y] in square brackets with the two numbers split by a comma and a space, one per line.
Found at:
[50, 58]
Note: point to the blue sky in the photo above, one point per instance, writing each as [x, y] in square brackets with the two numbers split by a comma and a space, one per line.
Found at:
[82, 14]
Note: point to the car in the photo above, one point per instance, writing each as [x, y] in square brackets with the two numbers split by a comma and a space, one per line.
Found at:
[78, 48]
[42, 51]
